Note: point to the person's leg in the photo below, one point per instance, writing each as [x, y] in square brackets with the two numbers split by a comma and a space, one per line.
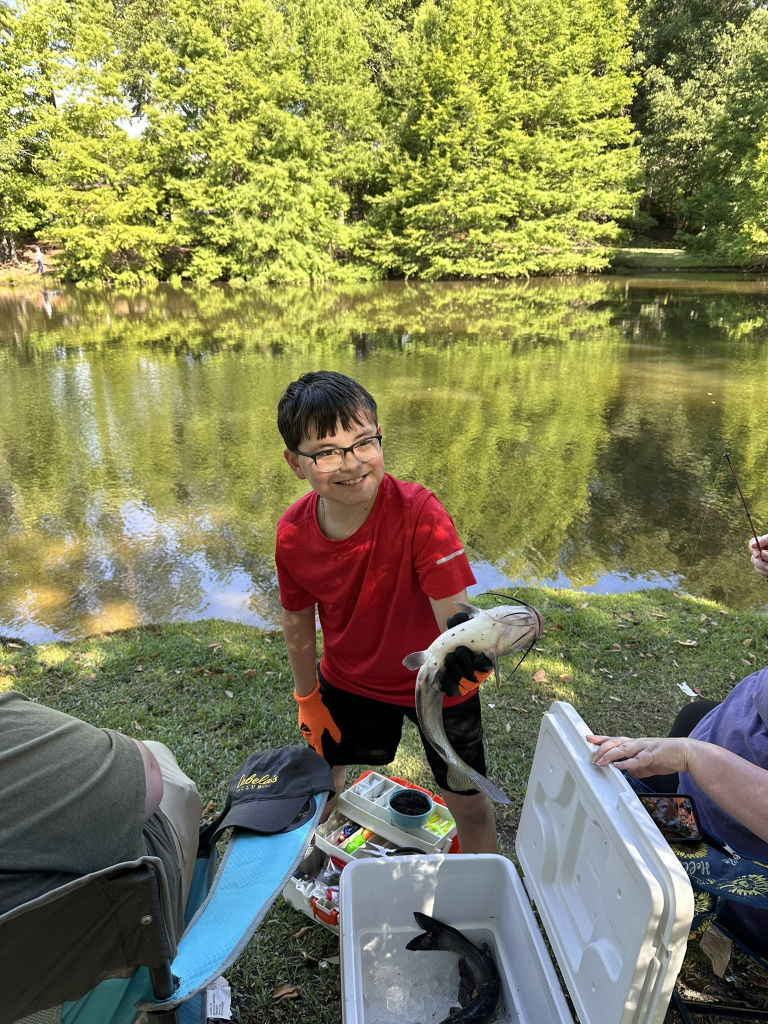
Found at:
[471, 810]
[182, 806]
[688, 717]
[474, 819]
[339, 772]
[370, 734]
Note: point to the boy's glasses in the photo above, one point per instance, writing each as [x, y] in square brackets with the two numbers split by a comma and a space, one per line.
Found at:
[330, 459]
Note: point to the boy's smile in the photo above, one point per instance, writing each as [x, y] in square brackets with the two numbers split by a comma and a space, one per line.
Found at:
[354, 483]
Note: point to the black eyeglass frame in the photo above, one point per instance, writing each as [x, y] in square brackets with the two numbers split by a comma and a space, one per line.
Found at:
[349, 448]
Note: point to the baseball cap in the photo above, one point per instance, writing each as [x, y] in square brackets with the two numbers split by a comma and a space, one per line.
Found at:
[270, 789]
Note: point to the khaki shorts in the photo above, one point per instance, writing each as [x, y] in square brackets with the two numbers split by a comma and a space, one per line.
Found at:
[182, 806]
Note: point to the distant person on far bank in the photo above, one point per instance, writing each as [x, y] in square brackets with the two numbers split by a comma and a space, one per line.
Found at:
[760, 555]
[39, 260]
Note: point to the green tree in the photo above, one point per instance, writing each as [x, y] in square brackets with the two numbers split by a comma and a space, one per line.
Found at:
[30, 39]
[511, 150]
[727, 212]
[684, 49]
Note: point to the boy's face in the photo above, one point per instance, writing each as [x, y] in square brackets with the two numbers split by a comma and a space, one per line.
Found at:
[355, 482]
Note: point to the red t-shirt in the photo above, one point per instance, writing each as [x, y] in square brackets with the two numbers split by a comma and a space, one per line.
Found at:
[372, 589]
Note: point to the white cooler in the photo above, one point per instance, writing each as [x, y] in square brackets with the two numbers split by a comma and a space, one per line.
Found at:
[614, 901]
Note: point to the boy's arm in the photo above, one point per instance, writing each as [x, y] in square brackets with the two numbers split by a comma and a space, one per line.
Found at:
[299, 630]
[446, 607]
[314, 717]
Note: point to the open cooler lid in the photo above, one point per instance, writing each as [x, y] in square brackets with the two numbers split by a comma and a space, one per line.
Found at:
[613, 898]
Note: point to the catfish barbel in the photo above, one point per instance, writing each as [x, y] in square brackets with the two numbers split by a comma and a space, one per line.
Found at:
[495, 632]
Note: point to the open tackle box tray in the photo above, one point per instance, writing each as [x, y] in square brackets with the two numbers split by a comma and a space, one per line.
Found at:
[364, 803]
[614, 902]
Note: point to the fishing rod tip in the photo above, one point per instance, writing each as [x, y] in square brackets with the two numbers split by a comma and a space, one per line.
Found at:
[726, 455]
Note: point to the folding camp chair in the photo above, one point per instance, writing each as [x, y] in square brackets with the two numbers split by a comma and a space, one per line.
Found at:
[719, 875]
[106, 935]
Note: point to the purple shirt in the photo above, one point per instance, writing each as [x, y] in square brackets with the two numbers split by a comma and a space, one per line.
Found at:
[739, 724]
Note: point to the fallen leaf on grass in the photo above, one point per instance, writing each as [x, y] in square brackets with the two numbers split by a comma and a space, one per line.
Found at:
[523, 711]
[215, 646]
[210, 806]
[584, 605]
[302, 932]
[659, 615]
[747, 642]
[732, 677]
[566, 677]
[11, 644]
[745, 662]
[249, 672]
[137, 727]
[285, 992]
[556, 626]
[616, 647]
[228, 693]
[702, 617]
[617, 699]
[226, 640]
[329, 960]
[540, 676]
[687, 643]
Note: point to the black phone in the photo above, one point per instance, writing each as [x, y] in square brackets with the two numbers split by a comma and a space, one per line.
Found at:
[674, 814]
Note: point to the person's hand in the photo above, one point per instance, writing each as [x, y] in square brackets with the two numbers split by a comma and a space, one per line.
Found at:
[760, 555]
[464, 669]
[643, 757]
[315, 719]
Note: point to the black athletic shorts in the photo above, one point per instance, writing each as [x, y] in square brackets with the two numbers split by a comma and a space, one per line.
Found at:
[371, 730]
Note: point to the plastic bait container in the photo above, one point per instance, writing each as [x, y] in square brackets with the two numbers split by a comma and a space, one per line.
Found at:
[365, 803]
[614, 902]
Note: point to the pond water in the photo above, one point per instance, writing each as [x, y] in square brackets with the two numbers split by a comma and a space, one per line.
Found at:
[573, 428]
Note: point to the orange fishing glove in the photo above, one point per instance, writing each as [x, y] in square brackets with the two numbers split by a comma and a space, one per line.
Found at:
[315, 719]
[464, 669]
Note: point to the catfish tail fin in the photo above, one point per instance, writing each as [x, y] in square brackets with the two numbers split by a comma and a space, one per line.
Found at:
[468, 778]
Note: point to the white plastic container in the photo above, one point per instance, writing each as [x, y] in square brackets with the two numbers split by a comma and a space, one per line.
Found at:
[614, 901]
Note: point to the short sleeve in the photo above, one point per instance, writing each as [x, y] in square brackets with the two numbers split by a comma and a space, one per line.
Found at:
[73, 794]
[438, 554]
[293, 597]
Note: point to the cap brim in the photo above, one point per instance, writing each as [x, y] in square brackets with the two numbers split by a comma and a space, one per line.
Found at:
[268, 816]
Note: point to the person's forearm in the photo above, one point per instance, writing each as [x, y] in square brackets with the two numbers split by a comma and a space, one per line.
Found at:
[300, 643]
[736, 785]
[445, 607]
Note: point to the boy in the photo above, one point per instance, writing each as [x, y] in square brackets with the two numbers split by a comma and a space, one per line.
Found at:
[382, 561]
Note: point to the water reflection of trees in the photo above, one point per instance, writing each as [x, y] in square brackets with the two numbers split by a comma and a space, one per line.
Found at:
[566, 426]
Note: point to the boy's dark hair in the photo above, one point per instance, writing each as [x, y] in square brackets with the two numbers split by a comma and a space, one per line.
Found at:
[320, 401]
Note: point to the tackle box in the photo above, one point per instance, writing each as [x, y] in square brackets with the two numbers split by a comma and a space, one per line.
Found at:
[364, 803]
[612, 897]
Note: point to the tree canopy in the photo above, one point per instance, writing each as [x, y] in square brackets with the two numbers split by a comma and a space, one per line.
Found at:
[310, 139]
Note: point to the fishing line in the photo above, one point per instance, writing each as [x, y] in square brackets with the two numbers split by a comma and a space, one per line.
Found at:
[706, 513]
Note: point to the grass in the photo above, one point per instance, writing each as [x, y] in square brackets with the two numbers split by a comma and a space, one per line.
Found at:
[636, 257]
[216, 691]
